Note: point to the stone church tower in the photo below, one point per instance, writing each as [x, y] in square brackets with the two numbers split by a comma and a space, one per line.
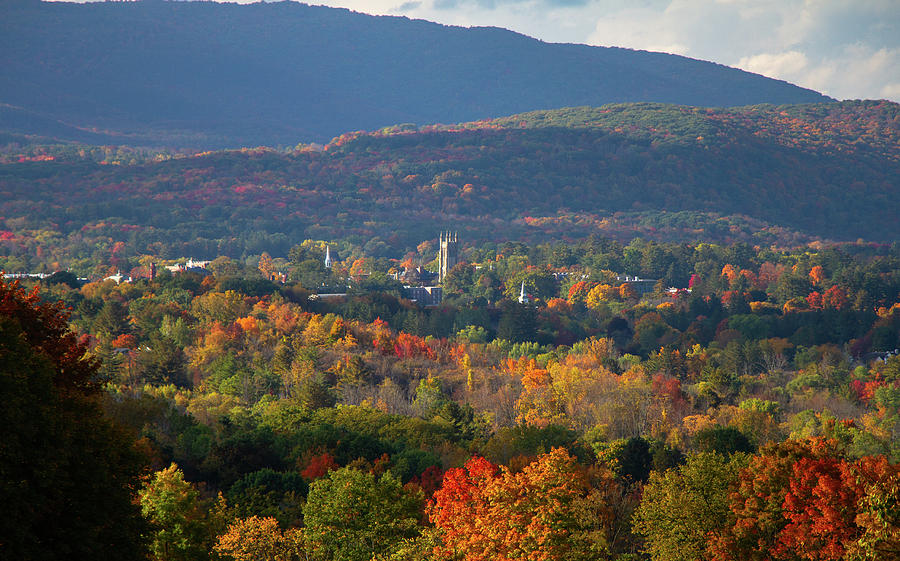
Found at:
[449, 255]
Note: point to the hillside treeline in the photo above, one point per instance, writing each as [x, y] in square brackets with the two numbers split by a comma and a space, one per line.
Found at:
[764, 175]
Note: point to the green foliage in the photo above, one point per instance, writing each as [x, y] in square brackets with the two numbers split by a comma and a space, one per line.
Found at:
[517, 323]
[473, 334]
[269, 493]
[353, 515]
[680, 507]
[761, 405]
[182, 526]
[613, 455]
[633, 460]
[723, 440]
[524, 440]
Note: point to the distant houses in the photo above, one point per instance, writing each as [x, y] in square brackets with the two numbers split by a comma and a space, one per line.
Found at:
[641, 286]
[119, 278]
[418, 284]
[189, 266]
[23, 276]
[424, 295]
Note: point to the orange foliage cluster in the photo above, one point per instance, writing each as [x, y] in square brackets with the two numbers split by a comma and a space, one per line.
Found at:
[551, 510]
[412, 346]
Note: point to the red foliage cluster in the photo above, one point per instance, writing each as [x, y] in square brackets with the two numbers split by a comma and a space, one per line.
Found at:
[806, 500]
[864, 390]
[318, 466]
[412, 346]
[669, 388]
[46, 329]
[429, 480]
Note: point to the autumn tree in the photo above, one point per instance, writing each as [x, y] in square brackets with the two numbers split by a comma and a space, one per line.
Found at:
[816, 275]
[601, 293]
[257, 539]
[820, 510]
[759, 511]
[224, 307]
[552, 510]
[267, 266]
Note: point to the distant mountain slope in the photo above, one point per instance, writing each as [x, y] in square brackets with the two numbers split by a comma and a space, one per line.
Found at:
[762, 174]
[201, 73]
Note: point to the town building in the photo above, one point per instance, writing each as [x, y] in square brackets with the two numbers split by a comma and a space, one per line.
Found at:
[424, 295]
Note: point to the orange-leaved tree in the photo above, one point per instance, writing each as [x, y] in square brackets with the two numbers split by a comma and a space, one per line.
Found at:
[250, 539]
[552, 510]
[758, 504]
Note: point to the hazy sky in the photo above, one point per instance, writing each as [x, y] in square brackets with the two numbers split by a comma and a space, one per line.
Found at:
[848, 49]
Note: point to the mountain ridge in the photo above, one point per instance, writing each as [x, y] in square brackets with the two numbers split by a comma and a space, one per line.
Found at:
[228, 75]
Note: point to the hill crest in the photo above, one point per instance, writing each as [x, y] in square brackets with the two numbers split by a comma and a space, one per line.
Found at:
[219, 75]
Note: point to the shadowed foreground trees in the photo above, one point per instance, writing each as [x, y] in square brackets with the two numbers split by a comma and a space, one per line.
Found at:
[67, 475]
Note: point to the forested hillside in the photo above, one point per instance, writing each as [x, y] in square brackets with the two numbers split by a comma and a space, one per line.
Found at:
[228, 75]
[761, 174]
[755, 411]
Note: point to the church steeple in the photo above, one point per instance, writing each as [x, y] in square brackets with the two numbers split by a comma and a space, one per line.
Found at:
[327, 256]
[523, 297]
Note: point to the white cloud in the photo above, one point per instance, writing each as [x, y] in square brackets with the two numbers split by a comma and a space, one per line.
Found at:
[841, 48]
[890, 91]
[844, 74]
[775, 64]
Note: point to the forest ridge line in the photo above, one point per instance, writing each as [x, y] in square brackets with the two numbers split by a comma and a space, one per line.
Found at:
[783, 175]
[228, 75]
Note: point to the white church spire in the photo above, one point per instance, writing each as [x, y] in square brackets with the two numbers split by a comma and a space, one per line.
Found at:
[523, 297]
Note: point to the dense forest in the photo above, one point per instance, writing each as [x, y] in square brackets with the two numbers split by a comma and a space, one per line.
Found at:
[218, 75]
[671, 334]
[748, 412]
[764, 175]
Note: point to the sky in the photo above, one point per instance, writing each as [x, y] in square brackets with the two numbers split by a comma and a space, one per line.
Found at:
[847, 49]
